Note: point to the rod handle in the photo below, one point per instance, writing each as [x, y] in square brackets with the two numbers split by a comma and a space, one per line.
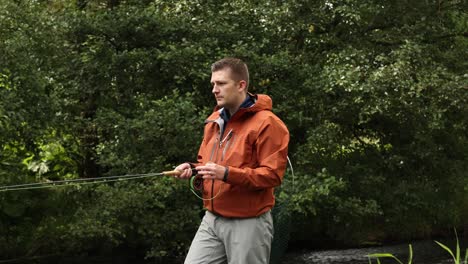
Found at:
[178, 172]
[172, 173]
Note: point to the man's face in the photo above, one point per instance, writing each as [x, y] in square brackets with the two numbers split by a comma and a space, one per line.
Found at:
[228, 92]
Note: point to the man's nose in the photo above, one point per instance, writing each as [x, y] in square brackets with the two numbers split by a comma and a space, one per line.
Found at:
[215, 89]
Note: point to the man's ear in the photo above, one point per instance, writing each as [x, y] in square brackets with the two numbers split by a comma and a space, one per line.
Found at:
[242, 86]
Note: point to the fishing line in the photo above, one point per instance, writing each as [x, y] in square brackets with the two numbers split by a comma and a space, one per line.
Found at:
[196, 184]
[82, 181]
[292, 172]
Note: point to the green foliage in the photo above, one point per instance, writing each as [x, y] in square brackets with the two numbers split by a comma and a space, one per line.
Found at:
[373, 93]
[141, 213]
[380, 112]
[168, 124]
[135, 216]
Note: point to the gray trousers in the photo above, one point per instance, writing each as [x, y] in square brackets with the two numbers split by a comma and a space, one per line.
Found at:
[222, 240]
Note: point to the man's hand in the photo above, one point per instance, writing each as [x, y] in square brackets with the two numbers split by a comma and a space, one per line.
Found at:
[185, 169]
[211, 171]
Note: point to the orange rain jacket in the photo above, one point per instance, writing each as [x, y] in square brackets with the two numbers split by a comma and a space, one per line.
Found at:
[254, 147]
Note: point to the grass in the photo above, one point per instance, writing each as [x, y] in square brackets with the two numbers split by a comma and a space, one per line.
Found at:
[456, 256]
[377, 256]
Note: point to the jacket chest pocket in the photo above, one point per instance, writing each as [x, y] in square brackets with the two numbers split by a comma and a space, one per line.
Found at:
[238, 151]
[212, 150]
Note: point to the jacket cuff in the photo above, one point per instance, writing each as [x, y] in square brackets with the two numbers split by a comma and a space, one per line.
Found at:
[226, 173]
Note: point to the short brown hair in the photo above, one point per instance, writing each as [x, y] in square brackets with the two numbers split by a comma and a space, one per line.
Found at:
[238, 68]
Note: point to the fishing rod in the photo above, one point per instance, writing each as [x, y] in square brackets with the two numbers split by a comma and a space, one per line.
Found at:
[83, 181]
[195, 181]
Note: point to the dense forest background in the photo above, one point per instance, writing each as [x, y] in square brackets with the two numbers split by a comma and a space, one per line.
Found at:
[375, 95]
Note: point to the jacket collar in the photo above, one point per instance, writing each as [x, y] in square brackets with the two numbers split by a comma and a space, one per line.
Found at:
[248, 102]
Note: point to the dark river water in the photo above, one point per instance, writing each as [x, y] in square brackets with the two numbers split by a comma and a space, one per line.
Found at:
[424, 252]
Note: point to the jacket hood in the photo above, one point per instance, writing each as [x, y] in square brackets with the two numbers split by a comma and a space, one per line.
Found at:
[262, 102]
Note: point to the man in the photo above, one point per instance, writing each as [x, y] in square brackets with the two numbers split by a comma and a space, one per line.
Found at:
[242, 157]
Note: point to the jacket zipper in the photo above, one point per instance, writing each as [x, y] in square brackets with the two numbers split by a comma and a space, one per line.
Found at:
[216, 146]
[227, 139]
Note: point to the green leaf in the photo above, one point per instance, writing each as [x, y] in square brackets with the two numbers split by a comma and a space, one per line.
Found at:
[448, 250]
[410, 258]
[385, 255]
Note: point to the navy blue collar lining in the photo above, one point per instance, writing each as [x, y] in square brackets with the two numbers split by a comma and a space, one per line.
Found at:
[248, 102]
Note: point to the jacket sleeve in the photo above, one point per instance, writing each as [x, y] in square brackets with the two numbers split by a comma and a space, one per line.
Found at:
[271, 150]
